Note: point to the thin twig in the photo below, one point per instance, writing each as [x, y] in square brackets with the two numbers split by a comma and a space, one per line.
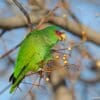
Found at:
[34, 84]
[5, 47]
[45, 18]
[67, 8]
[7, 87]
[32, 95]
[2, 33]
[25, 13]
[10, 51]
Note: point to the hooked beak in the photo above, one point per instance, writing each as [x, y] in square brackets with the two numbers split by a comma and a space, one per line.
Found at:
[62, 37]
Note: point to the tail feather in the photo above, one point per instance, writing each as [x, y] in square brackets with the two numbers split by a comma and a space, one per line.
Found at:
[12, 79]
[15, 82]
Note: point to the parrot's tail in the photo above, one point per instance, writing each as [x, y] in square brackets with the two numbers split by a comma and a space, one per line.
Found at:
[15, 82]
[12, 79]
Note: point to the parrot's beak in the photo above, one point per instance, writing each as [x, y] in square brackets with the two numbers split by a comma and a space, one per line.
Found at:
[62, 37]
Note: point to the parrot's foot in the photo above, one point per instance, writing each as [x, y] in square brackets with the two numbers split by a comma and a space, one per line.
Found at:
[31, 72]
[41, 75]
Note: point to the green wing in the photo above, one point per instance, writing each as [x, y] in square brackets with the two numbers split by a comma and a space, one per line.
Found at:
[33, 50]
[25, 54]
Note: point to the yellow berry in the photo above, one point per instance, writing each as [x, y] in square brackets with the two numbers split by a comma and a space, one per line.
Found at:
[65, 55]
[64, 15]
[47, 79]
[98, 64]
[65, 62]
[57, 57]
[64, 58]
[69, 48]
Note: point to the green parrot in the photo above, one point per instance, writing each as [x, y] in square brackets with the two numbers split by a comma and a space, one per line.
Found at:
[36, 47]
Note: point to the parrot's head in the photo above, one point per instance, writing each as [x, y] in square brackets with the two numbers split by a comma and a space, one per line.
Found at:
[55, 34]
[61, 35]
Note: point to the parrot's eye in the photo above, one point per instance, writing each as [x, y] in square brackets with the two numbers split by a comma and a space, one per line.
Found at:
[61, 35]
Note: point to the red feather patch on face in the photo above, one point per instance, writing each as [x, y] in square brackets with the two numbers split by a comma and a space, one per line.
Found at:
[58, 33]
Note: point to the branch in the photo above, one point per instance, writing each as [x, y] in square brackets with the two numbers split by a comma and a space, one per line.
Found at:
[10, 51]
[2, 33]
[24, 12]
[69, 25]
[18, 21]
[91, 81]
[7, 87]
[39, 3]
[74, 27]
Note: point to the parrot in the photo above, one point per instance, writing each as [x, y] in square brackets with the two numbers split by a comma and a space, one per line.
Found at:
[35, 48]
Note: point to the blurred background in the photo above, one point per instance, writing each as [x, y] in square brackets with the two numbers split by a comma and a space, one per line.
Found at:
[80, 20]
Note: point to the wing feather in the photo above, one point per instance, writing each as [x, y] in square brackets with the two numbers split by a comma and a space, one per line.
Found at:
[25, 54]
